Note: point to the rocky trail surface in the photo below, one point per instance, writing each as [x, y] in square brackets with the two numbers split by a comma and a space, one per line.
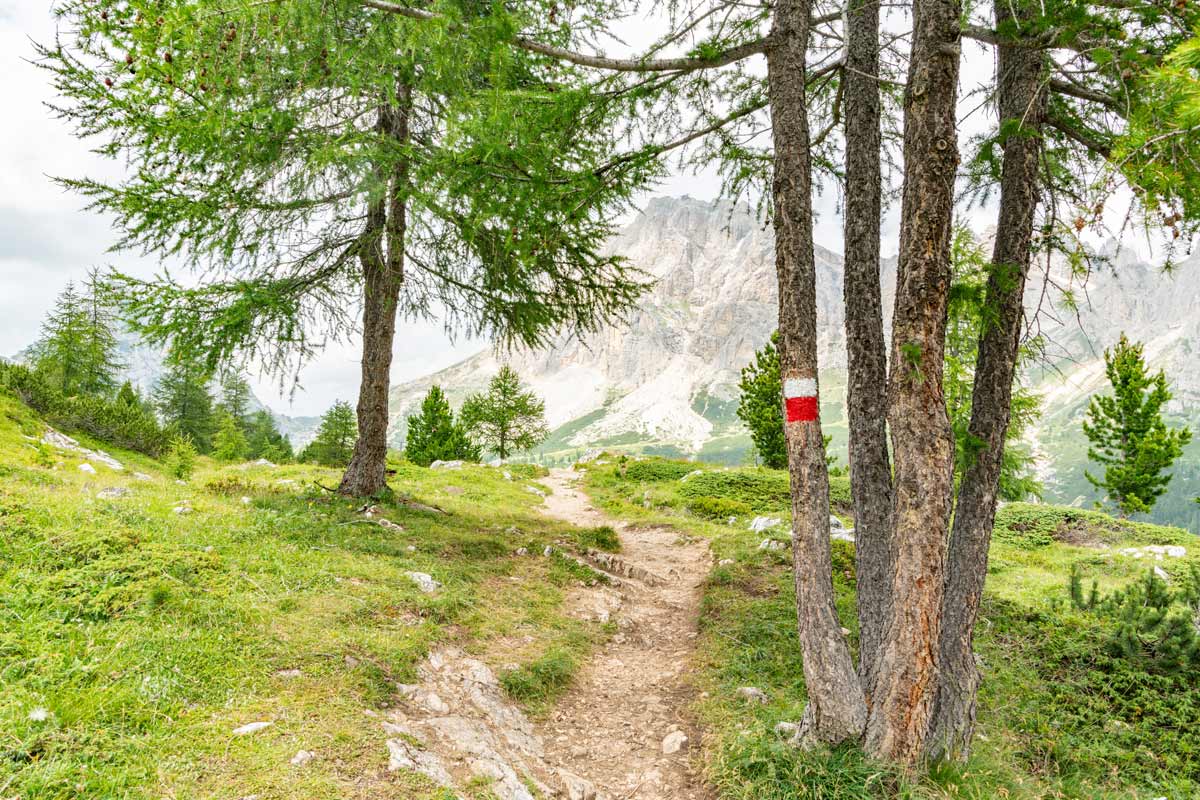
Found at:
[622, 731]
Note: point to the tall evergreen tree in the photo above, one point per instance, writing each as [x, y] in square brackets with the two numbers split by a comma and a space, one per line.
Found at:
[334, 445]
[185, 403]
[759, 405]
[434, 435]
[311, 158]
[264, 439]
[235, 397]
[1128, 434]
[229, 441]
[505, 419]
[76, 352]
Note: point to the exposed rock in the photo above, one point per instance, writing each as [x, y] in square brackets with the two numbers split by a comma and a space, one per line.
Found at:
[288, 673]
[455, 490]
[535, 490]
[88, 468]
[182, 508]
[113, 493]
[835, 523]
[302, 757]
[262, 462]
[1161, 573]
[752, 694]
[141, 476]
[691, 474]
[507, 475]
[245, 500]
[455, 464]
[843, 535]
[771, 544]
[251, 727]
[575, 787]
[391, 526]
[674, 742]
[548, 551]
[64, 442]
[589, 455]
[1155, 551]
[725, 562]
[760, 524]
[522, 551]
[786, 730]
[424, 581]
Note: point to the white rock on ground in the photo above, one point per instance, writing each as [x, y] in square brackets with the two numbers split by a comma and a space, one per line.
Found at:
[752, 694]
[835, 524]
[64, 442]
[673, 742]
[302, 757]
[456, 464]
[182, 508]
[760, 524]
[575, 787]
[691, 474]
[113, 492]
[1156, 551]
[88, 468]
[424, 581]
[771, 544]
[251, 727]
[141, 476]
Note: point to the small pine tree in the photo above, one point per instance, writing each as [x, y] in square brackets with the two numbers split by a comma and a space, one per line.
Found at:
[505, 419]
[335, 438]
[181, 457]
[434, 435]
[235, 397]
[186, 405]
[1127, 432]
[264, 439]
[760, 406]
[100, 363]
[128, 396]
[229, 442]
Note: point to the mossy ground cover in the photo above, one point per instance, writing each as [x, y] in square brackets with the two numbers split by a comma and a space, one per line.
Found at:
[134, 640]
[1058, 718]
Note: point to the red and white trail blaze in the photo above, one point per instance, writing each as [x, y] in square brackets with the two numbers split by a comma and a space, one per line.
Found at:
[800, 399]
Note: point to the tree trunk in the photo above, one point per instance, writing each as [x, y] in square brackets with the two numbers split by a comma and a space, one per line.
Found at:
[836, 710]
[922, 441]
[866, 391]
[382, 258]
[1022, 101]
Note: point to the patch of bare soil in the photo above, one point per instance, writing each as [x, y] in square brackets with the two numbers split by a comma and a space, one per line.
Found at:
[622, 731]
[629, 703]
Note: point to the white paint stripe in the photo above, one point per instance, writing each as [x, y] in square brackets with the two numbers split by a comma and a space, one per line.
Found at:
[800, 387]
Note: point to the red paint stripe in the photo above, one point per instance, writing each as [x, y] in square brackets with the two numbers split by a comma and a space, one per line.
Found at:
[801, 409]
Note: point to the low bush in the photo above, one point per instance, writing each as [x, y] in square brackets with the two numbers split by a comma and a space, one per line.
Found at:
[720, 508]
[759, 490]
[601, 538]
[1030, 526]
[120, 424]
[656, 470]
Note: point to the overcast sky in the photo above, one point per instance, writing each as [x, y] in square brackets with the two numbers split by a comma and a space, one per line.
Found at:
[46, 239]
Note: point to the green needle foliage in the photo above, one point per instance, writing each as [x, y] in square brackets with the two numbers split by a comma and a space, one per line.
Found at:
[185, 403]
[235, 397]
[77, 351]
[335, 437]
[969, 315]
[433, 434]
[261, 156]
[1128, 435]
[505, 419]
[265, 441]
[229, 442]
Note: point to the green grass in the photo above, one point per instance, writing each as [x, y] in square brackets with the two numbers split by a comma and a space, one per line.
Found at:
[1057, 718]
[133, 640]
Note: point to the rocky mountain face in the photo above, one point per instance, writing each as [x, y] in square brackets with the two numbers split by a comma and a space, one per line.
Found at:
[666, 380]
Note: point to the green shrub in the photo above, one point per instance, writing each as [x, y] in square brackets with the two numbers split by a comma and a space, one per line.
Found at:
[601, 538]
[839, 493]
[721, 508]
[117, 423]
[540, 680]
[656, 470]
[181, 458]
[760, 490]
[1030, 526]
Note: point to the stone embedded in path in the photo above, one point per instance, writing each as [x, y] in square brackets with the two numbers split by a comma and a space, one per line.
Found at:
[674, 742]
[575, 787]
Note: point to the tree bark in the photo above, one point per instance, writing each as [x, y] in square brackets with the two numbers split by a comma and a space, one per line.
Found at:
[382, 259]
[836, 709]
[870, 467]
[922, 440]
[1022, 101]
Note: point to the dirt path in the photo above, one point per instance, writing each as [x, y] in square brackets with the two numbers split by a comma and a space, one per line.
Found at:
[610, 728]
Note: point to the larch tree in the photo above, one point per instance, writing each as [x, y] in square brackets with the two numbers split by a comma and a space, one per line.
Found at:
[506, 418]
[308, 159]
[1129, 437]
